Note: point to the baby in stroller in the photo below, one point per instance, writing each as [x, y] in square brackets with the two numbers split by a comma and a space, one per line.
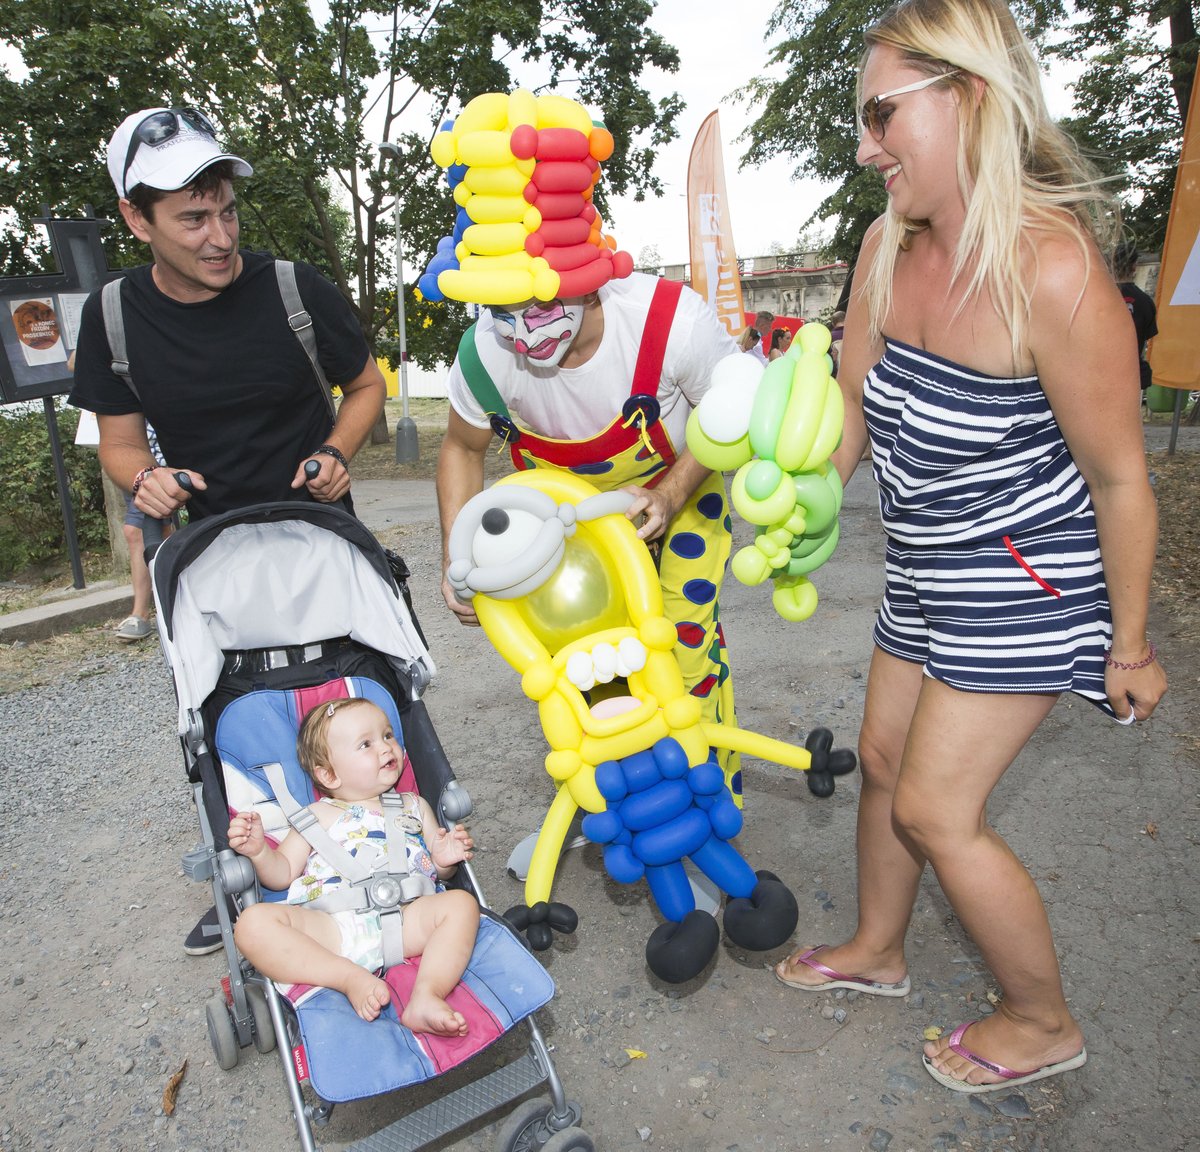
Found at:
[348, 749]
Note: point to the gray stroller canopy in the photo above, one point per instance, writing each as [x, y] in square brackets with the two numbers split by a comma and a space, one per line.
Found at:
[273, 576]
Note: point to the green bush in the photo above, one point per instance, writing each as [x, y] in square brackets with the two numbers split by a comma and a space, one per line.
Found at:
[31, 522]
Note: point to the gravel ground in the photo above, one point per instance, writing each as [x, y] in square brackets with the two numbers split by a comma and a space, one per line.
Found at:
[99, 1008]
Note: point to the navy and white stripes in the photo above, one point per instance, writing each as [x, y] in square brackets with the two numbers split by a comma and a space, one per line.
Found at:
[994, 581]
[962, 456]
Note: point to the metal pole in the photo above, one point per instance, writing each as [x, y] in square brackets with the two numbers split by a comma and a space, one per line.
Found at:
[408, 449]
[64, 490]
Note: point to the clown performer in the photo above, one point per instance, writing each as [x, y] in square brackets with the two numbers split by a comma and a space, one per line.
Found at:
[576, 362]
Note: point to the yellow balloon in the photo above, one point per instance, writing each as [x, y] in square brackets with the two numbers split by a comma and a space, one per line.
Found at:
[581, 598]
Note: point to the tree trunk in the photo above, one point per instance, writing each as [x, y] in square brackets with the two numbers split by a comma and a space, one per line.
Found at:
[379, 434]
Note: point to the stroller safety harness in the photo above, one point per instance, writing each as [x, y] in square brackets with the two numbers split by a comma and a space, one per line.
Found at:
[385, 891]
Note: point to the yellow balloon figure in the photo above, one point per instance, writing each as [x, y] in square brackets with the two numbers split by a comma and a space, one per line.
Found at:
[570, 598]
[778, 428]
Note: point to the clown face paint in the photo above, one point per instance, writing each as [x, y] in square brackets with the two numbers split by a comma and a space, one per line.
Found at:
[543, 332]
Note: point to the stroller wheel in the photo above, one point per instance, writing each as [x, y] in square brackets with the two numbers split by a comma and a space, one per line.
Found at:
[570, 1140]
[221, 1033]
[526, 1129]
[264, 1026]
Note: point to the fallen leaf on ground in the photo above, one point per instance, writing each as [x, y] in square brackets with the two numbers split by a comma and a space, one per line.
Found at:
[1151, 830]
[172, 1090]
[635, 1054]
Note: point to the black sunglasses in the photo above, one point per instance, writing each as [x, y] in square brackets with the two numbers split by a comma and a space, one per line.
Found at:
[160, 126]
[875, 122]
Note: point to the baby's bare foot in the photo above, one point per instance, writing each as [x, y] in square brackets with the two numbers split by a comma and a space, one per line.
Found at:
[428, 1013]
[368, 995]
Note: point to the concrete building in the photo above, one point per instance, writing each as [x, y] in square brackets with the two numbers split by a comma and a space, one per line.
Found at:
[797, 284]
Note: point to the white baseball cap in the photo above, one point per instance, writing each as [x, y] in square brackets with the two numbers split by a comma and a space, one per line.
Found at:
[165, 148]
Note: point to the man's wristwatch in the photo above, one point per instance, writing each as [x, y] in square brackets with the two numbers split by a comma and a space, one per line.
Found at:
[330, 450]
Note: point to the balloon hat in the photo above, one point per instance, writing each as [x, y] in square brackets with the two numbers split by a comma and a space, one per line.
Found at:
[522, 169]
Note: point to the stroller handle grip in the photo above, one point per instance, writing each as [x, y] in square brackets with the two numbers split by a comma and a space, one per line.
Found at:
[152, 528]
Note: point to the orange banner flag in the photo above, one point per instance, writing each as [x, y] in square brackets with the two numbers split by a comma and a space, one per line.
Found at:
[714, 259]
[1175, 351]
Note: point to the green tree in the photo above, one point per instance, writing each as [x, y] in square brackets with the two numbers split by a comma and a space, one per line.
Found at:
[1130, 100]
[306, 102]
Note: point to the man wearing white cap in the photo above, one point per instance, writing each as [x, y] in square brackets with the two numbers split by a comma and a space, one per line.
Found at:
[213, 363]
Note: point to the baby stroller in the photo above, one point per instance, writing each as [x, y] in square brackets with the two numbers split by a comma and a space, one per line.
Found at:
[263, 613]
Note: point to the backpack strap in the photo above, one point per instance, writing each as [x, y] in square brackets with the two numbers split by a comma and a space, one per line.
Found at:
[114, 329]
[301, 324]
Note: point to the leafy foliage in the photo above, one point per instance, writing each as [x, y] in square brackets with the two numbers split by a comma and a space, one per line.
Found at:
[306, 102]
[1130, 99]
[31, 524]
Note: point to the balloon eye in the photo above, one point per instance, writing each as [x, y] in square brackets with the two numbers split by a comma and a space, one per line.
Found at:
[504, 535]
[495, 521]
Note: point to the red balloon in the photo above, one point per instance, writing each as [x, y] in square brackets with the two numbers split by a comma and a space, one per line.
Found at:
[524, 141]
[562, 144]
[560, 233]
[562, 176]
[575, 256]
[558, 205]
[581, 281]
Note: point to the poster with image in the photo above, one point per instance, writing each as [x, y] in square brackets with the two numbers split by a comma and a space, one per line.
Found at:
[36, 324]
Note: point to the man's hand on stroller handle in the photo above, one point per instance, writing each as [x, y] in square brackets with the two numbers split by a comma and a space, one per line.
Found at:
[324, 475]
[162, 491]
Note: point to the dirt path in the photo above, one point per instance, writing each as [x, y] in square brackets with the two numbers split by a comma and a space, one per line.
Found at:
[98, 1006]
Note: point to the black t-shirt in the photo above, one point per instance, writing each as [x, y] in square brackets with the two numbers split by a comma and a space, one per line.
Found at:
[1145, 322]
[225, 383]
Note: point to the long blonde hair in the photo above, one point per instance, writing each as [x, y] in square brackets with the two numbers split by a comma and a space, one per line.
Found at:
[1017, 170]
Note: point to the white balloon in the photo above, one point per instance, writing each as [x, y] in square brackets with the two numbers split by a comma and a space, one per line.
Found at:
[490, 550]
[724, 411]
[579, 670]
[604, 661]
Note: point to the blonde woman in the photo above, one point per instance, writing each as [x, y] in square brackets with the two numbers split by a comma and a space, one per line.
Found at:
[989, 358]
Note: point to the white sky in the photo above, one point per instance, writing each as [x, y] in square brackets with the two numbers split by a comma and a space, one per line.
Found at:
[721, 46]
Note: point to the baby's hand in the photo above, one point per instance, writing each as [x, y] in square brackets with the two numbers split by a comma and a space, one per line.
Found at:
[450, 848]
[246, 835]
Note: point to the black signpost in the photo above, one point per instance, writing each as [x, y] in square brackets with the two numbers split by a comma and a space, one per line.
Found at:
[39, 326]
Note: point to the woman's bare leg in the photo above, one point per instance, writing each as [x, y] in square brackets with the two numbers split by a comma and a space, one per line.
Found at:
[959, 746]
[889, 867]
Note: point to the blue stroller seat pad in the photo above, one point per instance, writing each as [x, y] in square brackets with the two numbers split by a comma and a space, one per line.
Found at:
[349, 1058]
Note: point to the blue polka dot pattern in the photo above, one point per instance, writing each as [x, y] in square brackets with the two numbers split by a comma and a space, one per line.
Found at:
[598, 469]
[687, 545]
[699, 591]
[711, 506]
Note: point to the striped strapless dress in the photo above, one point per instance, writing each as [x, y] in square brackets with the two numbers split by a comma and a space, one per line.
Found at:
[994, 581]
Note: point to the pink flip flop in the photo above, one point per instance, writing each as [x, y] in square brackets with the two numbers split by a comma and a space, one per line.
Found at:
[839, 980]
[1011, 1079]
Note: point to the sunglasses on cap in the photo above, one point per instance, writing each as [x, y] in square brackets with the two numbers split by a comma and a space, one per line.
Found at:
[875, 122]
[160, 126]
